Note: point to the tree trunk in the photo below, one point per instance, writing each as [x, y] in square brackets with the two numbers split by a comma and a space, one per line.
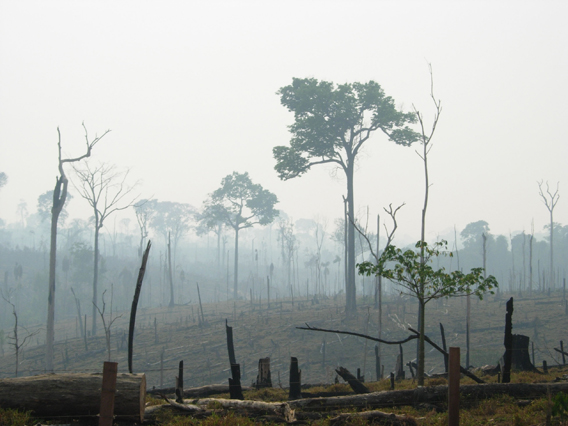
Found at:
[430, 394]
[236, 270]
[73, 395]
[355, 384]
[350, 290]
[59, 196]
[420, 369]
[95, 277]
[170, 275]
[372, 417]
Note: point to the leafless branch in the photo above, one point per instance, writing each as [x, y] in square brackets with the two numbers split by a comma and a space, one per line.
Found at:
[375, 339]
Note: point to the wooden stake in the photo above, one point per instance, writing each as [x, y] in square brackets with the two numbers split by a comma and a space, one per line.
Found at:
[107, 393]
[454, 387]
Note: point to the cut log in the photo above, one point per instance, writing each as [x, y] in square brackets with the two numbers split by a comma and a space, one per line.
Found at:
[432, 395]
[374, 417]
[73, 395]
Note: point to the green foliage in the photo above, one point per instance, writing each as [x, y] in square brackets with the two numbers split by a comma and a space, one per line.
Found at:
[330, 120]
[421, 280]
[560, 405]
[9, 417]
[239, 203]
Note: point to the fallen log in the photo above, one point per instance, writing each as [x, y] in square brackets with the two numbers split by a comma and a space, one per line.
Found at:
[431, 395]
[257, 408]
[73, 395]
[374, 417]
[197, 392]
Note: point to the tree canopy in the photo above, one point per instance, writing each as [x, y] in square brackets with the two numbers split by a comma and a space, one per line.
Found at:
[239, 203]
[331, 124]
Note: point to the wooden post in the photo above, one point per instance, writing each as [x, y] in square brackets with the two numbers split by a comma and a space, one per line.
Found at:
[444, 346]
[107, 393]
[295, 380]
[179, 384]
[454, 387]
[545, 367]
[392, 380]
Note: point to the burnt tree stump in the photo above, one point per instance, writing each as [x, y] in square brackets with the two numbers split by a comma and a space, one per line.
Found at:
[263, 379]
[295, 380]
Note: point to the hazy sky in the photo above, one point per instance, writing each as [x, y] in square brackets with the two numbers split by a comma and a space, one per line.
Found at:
[188, 89]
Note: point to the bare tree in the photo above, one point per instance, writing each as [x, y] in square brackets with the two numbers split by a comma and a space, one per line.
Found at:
[550, 199]
[426, 141]
[106, 191]
[16, 341]
[59, 197]
[111, 320]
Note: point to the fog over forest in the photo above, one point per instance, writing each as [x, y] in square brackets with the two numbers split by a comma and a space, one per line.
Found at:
[208, 124]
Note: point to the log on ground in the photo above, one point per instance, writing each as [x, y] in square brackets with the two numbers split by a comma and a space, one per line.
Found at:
[73, 395]
[431, 395]
[374, 417]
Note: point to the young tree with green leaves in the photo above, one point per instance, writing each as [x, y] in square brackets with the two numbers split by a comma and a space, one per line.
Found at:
[240, 204]
[414, 273]
[331, 125]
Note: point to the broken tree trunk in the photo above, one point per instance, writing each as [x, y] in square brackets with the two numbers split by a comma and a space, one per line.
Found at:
[432, 395]
[73, 395]
[295, 380]
[135, 305]
[263, 379]
[508, 341]
[355, 384]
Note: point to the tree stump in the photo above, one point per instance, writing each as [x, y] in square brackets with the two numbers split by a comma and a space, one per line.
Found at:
[295, 380]
[263, 379]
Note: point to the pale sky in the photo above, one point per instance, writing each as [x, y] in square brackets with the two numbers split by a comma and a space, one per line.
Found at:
[188, 89]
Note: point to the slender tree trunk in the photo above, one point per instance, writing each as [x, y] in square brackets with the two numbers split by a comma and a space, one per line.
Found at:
[95, 277]
[530, 264]
[551, 279]
[236, 270]
[50, 327]
[420, 372]
[170, 274]
[351, 291]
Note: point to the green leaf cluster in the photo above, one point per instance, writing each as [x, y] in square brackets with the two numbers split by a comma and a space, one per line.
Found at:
[419, 279]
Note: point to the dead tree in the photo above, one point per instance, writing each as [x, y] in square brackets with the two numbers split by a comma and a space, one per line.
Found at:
[135, 307]
[110, 321]
[105, 190]
[59, 197]
[550, 200]
[508, 342]
[16, 341]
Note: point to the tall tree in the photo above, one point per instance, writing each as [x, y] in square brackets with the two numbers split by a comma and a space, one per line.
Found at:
[173, 221]
[331, 125]
[106, 191]
[3, 179]
[59, 198]
[239, 203]
[550, 199]
[144, 210]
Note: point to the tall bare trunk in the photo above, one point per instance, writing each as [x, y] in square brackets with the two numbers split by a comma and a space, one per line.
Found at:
[95, 278]
[236, 270]
[351, 291]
